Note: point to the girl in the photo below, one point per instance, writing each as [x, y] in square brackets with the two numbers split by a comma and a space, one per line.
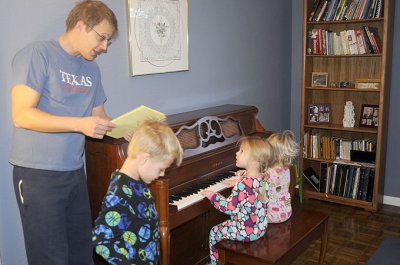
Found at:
[247, 203]
[278, 176]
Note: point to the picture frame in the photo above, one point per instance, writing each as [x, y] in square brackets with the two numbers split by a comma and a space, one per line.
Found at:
[319, 113]
[369, 116]
[158, 36]
[319, 79]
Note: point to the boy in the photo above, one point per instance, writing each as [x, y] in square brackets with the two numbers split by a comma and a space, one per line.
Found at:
[127, 229]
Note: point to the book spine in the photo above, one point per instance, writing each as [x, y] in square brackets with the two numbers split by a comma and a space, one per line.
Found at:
[348, 11]
[360, 41]
[314, 41]
[334, 9]
[309, 42]
[365, 7]
[314, 9]
[322, 11]
[371, 41]
[355, 15]
[330, 10]
[379, 9]
[353, 9]
[339, 10]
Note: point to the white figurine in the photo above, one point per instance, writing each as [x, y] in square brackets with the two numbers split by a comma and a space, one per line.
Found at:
[348, 119]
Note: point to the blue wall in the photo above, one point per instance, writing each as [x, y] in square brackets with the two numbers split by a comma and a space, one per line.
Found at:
[241, 52]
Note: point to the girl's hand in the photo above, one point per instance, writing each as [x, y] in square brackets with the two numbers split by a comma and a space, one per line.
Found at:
[240, 173]
[229, 182]
[206, 193]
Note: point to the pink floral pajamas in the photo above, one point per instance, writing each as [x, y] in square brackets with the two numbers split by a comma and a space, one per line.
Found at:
[279, 201]
[247, 214]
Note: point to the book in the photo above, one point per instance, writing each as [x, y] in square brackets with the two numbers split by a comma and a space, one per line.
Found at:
[323, 183]
[350, 182]
[351, 37]
[360, 41]
[131, 120]
[365, 184]
[333, 177]
[353, 9]
[377, 40]
[309, 42]
[312, 177]
[356, 181]
[330, 10]
[314, 9]
[379, 9]
[370, 188]
[339, 9]
[361, 85]
[318, 11]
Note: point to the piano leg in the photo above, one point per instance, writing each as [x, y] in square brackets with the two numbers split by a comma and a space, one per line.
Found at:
[164, 245]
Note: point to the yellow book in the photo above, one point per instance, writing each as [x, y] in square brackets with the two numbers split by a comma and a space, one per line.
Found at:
[131, 120]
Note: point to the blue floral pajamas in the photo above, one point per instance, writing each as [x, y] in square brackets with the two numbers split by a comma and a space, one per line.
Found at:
[247, 212]
[127, 229]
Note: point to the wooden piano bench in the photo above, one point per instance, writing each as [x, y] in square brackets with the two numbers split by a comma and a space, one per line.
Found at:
[281, 244]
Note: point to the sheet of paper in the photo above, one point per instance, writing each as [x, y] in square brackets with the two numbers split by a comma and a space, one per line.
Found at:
[131, 120]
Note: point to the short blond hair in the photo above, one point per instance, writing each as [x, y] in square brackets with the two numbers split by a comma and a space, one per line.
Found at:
[92, 13]
[157, 139]
[259, 149]
[285, 147]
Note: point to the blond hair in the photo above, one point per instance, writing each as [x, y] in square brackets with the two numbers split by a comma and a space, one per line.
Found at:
[259, 150]
[157, 139]
[92, 13]
[285, 147]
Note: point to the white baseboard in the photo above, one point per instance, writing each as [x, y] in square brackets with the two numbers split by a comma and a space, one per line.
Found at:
[391, 200]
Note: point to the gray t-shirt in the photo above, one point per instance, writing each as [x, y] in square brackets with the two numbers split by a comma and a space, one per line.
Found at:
[69, 86]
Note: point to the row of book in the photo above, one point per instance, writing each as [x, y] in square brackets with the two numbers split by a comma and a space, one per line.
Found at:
[337, 10]
[352, 41]
[332, 147]
[351, 180]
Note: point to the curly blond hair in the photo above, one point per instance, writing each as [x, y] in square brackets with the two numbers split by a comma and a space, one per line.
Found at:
[285, 147]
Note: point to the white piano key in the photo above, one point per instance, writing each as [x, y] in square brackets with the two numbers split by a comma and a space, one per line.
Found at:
[196, 197]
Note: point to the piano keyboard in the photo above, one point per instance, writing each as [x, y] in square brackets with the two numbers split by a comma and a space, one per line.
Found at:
[192, 194]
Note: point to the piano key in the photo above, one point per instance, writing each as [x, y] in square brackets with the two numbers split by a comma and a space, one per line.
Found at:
[192, 198]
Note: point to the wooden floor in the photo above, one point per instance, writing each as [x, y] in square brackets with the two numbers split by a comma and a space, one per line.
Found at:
[353, 233]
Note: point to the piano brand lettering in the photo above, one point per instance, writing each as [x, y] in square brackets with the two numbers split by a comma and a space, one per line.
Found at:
[75, 80]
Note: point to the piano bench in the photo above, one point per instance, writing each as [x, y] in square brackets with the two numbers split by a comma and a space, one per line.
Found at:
[281, 244]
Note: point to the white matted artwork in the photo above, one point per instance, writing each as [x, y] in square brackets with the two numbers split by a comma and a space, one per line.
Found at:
[158, 36]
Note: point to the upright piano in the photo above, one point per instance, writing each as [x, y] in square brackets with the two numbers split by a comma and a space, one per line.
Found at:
[209, 137]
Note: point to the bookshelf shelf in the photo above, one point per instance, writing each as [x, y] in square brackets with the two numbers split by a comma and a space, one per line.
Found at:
[343, 89]
[339, 127]
[344, 55]
[338, 199]
[371, 64]
[368, 20]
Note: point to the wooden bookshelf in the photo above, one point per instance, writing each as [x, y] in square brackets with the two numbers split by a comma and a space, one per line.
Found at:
[348, 68]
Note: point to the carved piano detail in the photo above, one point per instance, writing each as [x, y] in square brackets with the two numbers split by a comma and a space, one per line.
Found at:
[209, 138]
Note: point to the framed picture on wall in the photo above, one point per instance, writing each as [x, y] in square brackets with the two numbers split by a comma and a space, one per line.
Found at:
[158, 36]
[369, 116]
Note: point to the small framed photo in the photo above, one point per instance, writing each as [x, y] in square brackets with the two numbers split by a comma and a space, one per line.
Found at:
[369, 116]
[319, 79]
[319, 113]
